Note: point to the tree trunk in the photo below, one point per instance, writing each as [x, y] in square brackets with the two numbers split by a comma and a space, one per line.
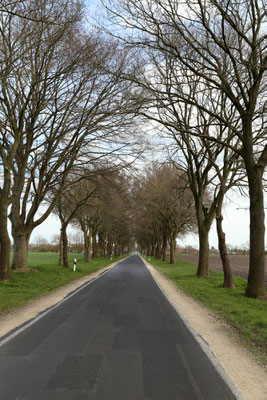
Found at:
[228, 276]
[203, 258]
[255, 286]
[101, 242]
[116, 250]
[109, 247]
[101, 248]
[4, 242]
[65, 246]
[21, 242]
[157, 252]
[4, 236]
[104, 249]
[95, 247]
[86, 256]
[60, 260]
[172, 249]
[87, 246]
[164, 248]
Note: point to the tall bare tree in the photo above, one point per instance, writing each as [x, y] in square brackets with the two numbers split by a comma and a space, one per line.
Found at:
[221, 43]
[64, 105]
[165, 198]
[71, 201]
[27, 73]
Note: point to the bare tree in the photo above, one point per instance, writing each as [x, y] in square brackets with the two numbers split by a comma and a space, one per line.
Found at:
[221, 43]
[23, 72]
[29, 10]
[115, 228]
[166, 200]
[64, 105]
[73, 198]
[103, 218]
[211, 167]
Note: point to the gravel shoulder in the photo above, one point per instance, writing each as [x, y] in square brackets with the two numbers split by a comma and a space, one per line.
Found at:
[238, 363]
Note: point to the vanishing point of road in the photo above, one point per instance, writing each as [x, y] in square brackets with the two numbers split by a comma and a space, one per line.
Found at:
[118, 338]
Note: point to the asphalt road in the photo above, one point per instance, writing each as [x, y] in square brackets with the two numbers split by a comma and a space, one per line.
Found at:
[116, 339]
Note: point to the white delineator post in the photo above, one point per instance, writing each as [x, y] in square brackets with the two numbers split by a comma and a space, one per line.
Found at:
[74, 264]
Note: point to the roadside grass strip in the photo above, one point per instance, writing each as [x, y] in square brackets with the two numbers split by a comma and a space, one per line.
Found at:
[245, 317]
[45, 277]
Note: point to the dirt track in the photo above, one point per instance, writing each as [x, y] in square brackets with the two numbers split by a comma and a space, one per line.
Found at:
[239, 264]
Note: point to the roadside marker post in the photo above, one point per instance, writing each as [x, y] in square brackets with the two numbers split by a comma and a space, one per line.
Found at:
[74, 264]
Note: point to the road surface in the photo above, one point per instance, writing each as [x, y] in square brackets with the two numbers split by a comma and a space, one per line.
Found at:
[116, 339]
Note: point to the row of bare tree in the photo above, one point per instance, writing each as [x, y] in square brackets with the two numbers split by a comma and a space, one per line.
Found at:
[69, 99]
[98, 205]
[163, 208]
[63, 107]
[201, 65]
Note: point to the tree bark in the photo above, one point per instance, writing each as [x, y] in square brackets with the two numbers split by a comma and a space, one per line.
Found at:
[172, 249]
[157, 251]
[21, 242]
[4, 242]
[164, 248]
[87, 246]
[65, 246]
[255, 286]
[228, 276]
[117, 250]
[60, 260]
[95, 246]
[104, 249]
[109, 246]
[4, 236]
[203, 258]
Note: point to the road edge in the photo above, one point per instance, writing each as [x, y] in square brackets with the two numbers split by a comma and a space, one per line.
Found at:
[239, 389]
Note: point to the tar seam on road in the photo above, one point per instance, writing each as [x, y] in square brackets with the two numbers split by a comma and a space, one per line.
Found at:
[205, 347]
[43, 314]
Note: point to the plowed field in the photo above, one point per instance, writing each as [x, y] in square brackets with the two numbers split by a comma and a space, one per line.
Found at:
[239, 263]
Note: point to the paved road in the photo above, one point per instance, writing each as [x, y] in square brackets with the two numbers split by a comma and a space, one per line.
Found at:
[116, 339]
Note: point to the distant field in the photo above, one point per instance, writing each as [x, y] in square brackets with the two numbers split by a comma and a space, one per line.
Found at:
[239, 263]
[35, 258]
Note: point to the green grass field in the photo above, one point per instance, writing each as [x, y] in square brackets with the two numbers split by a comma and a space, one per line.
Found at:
[47, 276]
[247, 318]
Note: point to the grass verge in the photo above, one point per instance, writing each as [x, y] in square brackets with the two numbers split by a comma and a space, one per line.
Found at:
[246, 318]
[45, 277]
